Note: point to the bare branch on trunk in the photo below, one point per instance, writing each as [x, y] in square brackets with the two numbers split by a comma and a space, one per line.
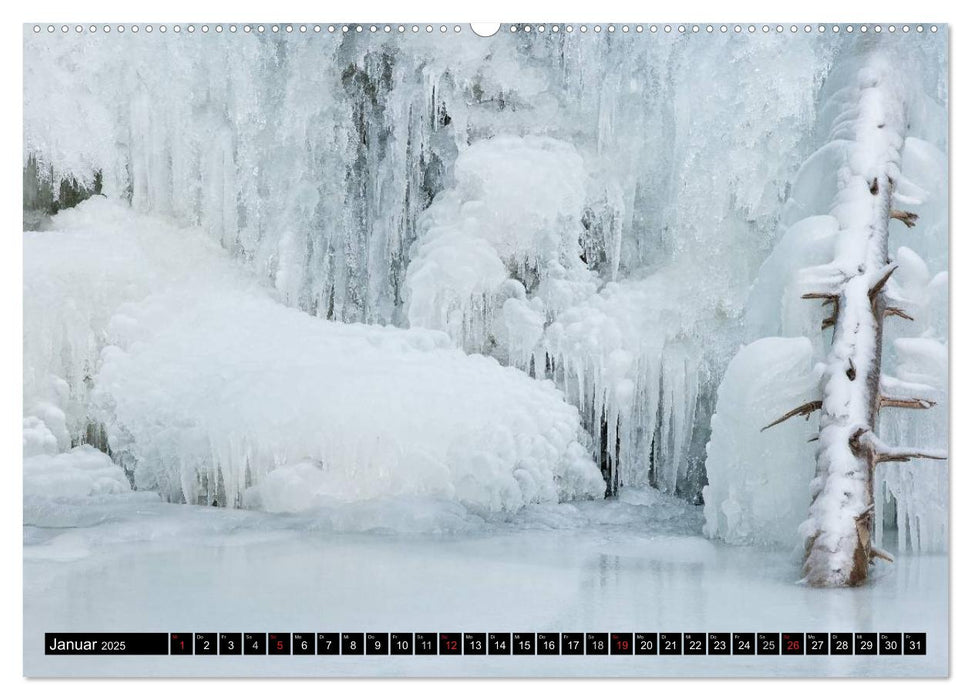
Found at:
[906, 454]
[879, 284]
[805, 410]
[894, 402]
[908, 217]
[897, 311]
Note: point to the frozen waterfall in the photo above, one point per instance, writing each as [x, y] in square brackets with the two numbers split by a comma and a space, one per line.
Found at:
[547, 248]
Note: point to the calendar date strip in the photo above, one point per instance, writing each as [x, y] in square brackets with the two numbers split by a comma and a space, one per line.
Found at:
[486, 643]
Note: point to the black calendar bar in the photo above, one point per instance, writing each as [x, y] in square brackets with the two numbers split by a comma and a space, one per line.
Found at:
[376, 644]
[110, 644]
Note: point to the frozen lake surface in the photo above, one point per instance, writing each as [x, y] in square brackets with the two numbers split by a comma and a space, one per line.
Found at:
[132, 563]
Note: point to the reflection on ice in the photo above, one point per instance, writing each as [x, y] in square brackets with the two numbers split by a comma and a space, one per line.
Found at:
[140, 564]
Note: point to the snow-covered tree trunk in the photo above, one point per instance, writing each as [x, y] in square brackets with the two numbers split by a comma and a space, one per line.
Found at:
[838, 531]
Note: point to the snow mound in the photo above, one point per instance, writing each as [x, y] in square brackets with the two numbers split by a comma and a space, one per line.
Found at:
[84, 471]
[207, 385]
[758, 482]
[220, 390]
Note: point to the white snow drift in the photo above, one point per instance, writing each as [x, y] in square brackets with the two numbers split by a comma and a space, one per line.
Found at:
[207, 386]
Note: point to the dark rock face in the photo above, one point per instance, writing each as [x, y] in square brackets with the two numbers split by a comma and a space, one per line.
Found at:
[45, 194]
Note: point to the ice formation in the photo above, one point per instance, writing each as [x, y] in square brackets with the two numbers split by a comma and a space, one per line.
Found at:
[205, 386]
[498, 254]
[590, 211]
[84, 471]
[758, 489]
[321, 181]
[52, 469]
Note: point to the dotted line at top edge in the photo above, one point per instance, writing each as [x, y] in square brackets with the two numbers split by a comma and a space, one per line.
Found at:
[456, 29]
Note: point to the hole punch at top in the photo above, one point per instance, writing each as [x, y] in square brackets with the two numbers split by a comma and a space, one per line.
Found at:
[485, 29]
